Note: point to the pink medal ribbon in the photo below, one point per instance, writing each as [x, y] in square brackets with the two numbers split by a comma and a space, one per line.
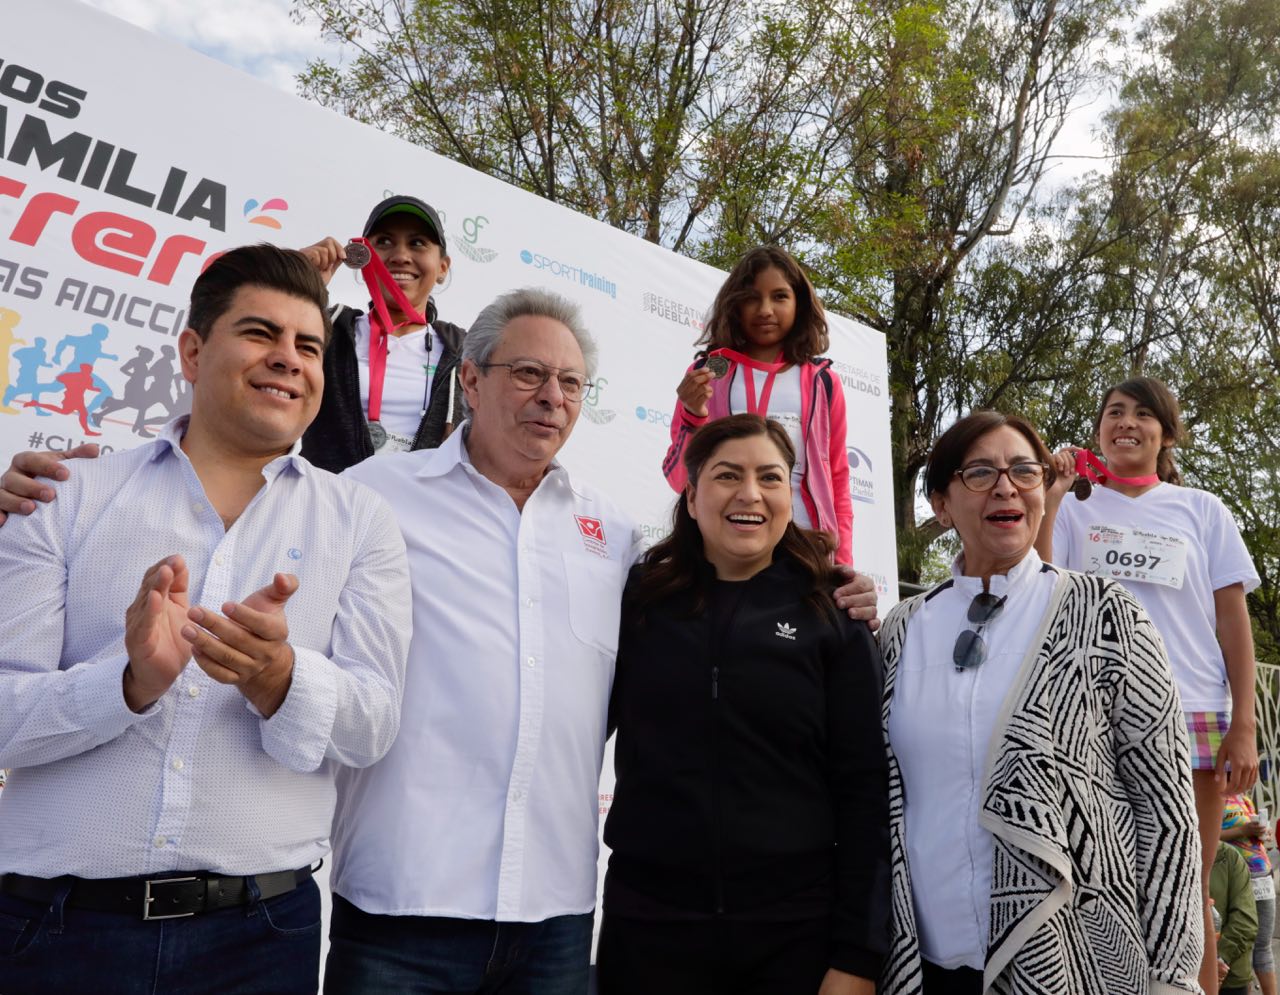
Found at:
[770, 370]
[377, 278]
[1092, 469]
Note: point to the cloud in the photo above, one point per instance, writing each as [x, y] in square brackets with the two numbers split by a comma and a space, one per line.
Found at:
[256, 36]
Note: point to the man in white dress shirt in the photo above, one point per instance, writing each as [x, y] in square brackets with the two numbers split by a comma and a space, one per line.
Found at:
[194, 639]
[465, 861]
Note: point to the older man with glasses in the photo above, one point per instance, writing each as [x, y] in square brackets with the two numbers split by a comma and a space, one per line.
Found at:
[466, 861]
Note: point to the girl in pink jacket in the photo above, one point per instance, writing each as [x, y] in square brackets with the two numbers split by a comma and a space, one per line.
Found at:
[764, 340]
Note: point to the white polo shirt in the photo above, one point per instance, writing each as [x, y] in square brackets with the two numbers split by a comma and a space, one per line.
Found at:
[486, 806]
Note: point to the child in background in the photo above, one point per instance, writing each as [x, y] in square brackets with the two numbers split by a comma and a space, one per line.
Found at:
[765, 337]
[1244, 829]
[1233, 899]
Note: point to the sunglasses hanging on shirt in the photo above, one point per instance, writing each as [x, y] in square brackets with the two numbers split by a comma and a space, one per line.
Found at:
[970, 650]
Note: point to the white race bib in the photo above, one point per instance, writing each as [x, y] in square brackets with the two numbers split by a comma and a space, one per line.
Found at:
[1128, 554]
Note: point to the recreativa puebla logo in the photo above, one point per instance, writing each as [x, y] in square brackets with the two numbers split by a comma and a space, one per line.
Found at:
[672, 310]
[259, 212]
[862, 486]
[567, 271]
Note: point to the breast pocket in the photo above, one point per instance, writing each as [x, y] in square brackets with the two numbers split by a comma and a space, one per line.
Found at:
[595, 600]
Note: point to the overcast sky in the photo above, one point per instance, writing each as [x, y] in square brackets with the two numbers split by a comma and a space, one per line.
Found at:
[259, 37]
[256, 36]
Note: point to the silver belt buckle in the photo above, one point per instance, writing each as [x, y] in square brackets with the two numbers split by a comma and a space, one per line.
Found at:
[148, 898]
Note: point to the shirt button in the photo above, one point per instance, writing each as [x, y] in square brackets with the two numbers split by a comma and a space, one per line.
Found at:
[517, 795]
[528, 602]
[219, 559]
[159, 841]
[193, 691]
[197, 507]
[531, 661]
[177, 764]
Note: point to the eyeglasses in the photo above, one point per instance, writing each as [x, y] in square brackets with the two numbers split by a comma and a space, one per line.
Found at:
[528, 375]
[970, 651]
[981, 477]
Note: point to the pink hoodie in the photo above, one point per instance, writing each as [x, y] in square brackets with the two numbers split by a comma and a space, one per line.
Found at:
[826, 494]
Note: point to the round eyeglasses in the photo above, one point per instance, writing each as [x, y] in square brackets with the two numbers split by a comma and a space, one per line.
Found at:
[982, 477]
[528, 375]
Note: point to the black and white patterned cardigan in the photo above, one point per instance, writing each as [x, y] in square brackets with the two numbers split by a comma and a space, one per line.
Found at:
[1096, 875]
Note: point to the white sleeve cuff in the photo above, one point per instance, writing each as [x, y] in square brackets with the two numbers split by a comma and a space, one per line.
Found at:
[98, 692]
[298, 734]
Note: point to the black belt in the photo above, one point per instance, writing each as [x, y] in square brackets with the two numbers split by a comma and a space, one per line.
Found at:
[157, 898]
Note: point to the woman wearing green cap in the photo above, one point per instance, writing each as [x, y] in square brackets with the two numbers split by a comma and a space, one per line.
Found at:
[409, 399]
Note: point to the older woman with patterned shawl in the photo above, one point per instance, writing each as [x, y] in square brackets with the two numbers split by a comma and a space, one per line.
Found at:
[1042, 818]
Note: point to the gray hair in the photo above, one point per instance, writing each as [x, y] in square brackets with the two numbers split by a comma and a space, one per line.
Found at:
[486, 331]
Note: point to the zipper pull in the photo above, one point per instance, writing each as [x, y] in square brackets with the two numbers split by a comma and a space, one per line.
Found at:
[715, 681]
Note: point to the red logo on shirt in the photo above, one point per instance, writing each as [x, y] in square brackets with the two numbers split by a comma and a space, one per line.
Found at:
[591, 528]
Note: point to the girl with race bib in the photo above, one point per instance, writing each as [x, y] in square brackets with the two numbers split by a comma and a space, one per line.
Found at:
[764, 341]
[1178, 550]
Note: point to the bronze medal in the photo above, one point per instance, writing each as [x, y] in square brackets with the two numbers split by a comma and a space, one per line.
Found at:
[358, 255]
[1082, 488]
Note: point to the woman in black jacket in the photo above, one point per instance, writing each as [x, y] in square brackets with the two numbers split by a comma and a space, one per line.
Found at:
[749, 825]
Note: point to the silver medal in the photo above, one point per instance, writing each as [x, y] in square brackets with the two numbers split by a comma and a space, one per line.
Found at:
[718, 366]
[377, 435]
[358, 255]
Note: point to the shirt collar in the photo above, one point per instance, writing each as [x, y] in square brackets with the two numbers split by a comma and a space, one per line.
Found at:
[1001, 585]
[169, 441]
[453, 452]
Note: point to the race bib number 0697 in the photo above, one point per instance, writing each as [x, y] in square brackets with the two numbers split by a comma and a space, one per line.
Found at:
[1135, 554]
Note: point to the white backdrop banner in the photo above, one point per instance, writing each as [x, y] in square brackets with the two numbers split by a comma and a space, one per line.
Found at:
[126, 161]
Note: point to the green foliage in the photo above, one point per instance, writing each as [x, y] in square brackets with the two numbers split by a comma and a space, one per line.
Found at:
[899, 148]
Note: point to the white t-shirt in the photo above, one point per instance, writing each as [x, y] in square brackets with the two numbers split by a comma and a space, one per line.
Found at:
[1190, 521]
[406, 387]
[784, 408]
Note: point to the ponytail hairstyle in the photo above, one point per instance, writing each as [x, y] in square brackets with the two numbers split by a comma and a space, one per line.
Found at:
[808, 336]
[1156, 397]
[678, 563]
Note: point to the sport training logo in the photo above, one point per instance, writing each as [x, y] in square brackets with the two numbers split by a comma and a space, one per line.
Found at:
[862, 486]
[567, 271]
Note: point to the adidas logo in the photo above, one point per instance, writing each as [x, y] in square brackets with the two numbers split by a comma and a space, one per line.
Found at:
[786, 631]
